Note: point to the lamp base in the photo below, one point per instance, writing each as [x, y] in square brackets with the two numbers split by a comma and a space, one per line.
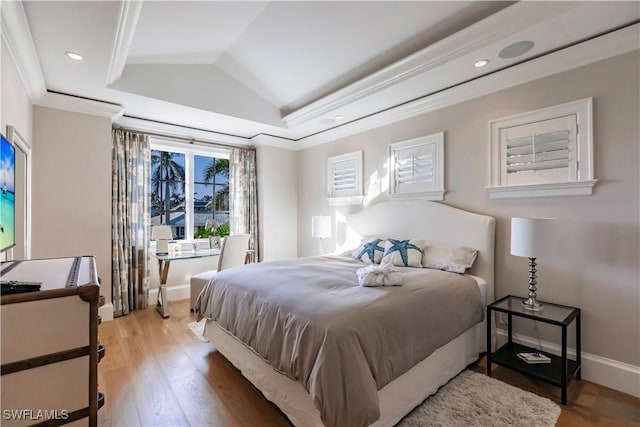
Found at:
[162, 247]
[532, 304]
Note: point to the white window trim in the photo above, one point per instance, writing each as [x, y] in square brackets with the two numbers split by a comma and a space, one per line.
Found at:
[436, 139]
[345, 200]
[583, 109]
[189, 150]
[23, 145]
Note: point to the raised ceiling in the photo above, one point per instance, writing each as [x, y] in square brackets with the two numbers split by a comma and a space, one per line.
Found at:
[287, 69]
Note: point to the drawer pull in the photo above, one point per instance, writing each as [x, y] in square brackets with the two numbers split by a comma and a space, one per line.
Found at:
[100, 400]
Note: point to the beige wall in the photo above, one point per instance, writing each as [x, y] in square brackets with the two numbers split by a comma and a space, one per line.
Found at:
[15, 110]
[72, 188]
[277, 202]
[597, 247]
[16, 106]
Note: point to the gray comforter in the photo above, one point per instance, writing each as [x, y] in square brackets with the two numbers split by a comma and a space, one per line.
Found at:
[311, 321]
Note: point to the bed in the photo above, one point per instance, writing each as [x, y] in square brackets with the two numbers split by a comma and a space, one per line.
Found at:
[391, 386]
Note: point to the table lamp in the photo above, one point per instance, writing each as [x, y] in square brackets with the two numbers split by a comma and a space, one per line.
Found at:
[321, 228]
[529, 238]
[161, 234]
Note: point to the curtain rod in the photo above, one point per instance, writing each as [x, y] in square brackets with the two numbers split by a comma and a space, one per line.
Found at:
[192, 141]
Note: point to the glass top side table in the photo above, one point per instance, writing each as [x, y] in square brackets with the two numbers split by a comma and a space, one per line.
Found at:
[561, 369]
[164, 262]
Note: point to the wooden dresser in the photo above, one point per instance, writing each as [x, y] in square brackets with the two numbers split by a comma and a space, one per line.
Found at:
[50, 350]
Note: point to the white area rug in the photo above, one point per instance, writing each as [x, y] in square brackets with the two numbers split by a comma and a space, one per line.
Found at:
[471, 399]
[198, 329]
[474, 399]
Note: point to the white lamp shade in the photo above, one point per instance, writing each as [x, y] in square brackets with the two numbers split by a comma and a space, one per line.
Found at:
[159, 232]
[530, 237]
[321, 226]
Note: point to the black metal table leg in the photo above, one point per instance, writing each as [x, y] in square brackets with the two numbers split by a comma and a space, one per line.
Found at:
[578, 347]
[489, 341]
[563, 374]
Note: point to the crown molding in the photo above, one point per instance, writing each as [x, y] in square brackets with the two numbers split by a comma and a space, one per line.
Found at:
[79, 105]
[17, 36]
[273, 141]
[125, 30]
[495, 27]
[183, 132]
[603, 47]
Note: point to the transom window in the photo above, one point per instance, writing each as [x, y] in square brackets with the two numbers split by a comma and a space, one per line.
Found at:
[417, 167]
[547, 152]
[344, 179]
[189, 186]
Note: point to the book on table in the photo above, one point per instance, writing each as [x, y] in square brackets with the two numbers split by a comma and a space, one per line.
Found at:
[534, 358]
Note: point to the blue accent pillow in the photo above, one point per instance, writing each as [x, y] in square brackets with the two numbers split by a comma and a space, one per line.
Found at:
[403, 253]
[370, 252]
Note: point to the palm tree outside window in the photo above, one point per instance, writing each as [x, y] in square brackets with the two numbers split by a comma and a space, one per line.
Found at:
[167, 190]
[188, 188]
[210, 193]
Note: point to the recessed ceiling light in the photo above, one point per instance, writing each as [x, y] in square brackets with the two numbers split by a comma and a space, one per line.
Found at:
[339, 117]
[199, 123]
[74, 55]
[481, 63]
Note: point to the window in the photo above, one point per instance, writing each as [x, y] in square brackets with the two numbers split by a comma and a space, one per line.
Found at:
[548, 152]
[417, 167]
[344, 179]
[189, 185]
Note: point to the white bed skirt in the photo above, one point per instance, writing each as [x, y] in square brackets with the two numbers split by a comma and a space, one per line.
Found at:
[397, 398]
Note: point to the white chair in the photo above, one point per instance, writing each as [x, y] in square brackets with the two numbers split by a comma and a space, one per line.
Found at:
[233, 252]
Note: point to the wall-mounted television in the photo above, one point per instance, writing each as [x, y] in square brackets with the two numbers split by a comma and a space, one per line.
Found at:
[7, 194]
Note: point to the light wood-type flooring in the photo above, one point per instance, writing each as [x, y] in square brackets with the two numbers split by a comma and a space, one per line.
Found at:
[157, 373]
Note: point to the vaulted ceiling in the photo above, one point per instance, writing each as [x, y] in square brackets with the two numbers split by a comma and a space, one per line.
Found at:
[291, 69]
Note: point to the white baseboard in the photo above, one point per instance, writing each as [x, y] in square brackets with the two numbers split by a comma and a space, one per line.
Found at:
[174, 293]
[106, 312]
[610, 373]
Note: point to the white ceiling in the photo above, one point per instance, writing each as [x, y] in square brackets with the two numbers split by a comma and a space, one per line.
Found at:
[289, 53]
[288, 68]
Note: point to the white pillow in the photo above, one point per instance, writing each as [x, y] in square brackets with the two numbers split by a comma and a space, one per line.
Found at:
[403, 253]
[449, 258]
[348, 248]
[371, 251]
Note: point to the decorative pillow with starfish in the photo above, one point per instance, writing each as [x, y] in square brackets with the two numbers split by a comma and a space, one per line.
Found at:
[371, 251]
[403, 253]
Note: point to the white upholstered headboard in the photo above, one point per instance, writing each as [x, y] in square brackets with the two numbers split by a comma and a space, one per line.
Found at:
[432, 222]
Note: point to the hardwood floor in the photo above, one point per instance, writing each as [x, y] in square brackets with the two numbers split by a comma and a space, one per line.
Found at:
[157, 373]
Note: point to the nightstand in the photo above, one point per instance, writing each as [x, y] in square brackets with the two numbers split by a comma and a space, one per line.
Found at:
[561, 369]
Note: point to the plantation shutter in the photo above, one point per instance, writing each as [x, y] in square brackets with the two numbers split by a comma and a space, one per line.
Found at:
[345, 175]
[344, 179]
[414, 169]
[540, 152]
